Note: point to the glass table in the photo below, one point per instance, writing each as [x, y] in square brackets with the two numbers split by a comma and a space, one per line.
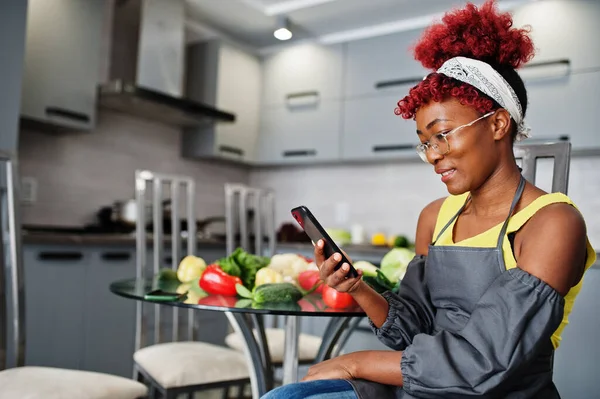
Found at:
[245, 317]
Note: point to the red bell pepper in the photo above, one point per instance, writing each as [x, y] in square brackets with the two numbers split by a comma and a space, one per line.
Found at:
[215, 281]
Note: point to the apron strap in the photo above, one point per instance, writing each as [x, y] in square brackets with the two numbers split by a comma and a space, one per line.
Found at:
[451, 220]
[515, 200]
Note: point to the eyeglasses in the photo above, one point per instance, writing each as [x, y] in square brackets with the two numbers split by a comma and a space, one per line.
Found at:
[439, 142]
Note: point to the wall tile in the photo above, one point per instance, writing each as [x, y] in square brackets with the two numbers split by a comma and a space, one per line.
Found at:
[77, 173]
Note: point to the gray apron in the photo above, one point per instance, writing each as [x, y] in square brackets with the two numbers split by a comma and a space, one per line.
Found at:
[456, 278]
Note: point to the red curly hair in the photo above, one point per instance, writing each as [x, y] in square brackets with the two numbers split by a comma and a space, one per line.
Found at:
[483, 34]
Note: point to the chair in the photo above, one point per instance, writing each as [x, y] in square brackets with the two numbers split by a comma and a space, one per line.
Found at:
[246, 206]
[176, 367]
[560, 151]
[29, 381]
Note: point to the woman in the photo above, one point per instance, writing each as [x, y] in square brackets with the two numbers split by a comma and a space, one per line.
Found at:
[499, 262]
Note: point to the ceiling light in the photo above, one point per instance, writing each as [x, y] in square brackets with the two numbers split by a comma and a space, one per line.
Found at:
[282, 31]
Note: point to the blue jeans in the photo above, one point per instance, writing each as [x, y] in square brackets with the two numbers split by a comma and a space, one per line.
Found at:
[319, 389]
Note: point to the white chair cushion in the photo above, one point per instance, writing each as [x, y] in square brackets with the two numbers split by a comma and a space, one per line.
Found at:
[308, 345]
[179, 364]
[54, 383]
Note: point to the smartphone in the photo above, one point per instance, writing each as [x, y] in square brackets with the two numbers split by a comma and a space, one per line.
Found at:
[160, 295]
[316, 232]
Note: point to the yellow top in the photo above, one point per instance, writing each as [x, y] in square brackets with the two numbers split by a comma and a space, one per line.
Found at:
[489, 239]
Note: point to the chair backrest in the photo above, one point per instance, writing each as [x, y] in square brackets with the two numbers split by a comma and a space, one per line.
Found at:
[560, 151]
[10, 233]
[158, 185]
[249, 212]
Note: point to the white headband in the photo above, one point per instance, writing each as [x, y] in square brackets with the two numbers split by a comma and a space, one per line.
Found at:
[485, 78]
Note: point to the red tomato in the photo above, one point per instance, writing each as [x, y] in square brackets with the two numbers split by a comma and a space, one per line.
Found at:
[308, 278]
[337, 300]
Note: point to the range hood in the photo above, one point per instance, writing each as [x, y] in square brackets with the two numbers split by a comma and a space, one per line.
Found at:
[147, 62]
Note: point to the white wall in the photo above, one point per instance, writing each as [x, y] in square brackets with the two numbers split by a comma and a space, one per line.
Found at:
[388, 197]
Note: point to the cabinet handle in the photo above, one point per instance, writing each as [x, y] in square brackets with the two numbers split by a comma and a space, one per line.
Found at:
[562, 61]
[548, 139]
[302, 99]
[390, 148]
[299, 153]
[66, 113]
[302, 94]
[116, 256]
[396, 82]
[60, 256]
[231, 150]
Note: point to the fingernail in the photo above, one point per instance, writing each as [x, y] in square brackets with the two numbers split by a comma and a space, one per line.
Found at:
[345, 267]
[337, 257]
[320, 243]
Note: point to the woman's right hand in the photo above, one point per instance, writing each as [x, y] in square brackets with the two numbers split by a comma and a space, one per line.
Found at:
[337, 279]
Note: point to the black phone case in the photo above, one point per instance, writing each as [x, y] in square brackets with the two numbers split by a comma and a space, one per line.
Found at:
[315, 232]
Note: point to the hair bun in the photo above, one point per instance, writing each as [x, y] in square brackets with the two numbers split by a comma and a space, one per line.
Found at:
[484, 34]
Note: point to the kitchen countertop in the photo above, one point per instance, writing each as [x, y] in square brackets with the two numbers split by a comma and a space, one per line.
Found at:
[48, 238]
[99, 239]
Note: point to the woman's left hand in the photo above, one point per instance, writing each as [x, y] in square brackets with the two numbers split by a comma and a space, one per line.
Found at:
[338, 368]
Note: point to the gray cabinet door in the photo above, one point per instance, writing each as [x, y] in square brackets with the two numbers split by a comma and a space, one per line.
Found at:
[373, 131]
[62, 58]
[228, 78]
[300, 134]
[563, 29]
[566, 106]
[372, 65]
[109, 319]
[55, 289]
[305, 68]
[577, 359]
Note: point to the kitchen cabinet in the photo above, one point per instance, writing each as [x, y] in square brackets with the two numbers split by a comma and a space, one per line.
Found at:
[577, 359]
[566, 106]
[55, 312]
[373, 131]
[562, 30]
[305, 70]
[377, 66]
[300, 134]
[62, 62]
[109, 328]
[12, 43]
[74, 321]
[226, 77]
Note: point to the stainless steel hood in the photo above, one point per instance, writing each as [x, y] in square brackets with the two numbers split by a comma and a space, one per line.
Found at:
[147, 61]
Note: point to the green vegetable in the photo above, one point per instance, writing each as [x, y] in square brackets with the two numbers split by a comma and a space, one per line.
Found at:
[395, 262]
[381, 283]
[229, 266]
[167, 274]
[274, 292]
[367, 268]
[249, 264]
[401, 242]
[340, 236]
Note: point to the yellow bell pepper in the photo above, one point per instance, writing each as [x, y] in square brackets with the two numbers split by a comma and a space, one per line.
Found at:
[190, 268]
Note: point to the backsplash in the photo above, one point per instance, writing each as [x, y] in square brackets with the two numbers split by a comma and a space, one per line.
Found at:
[388, 197]
[77, 173]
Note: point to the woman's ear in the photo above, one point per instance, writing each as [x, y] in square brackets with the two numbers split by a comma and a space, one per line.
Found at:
[501, 124]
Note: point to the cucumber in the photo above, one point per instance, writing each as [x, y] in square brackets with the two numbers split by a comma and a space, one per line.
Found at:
[272, 292]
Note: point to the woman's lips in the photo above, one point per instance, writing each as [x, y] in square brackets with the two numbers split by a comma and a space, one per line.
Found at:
[446, 174]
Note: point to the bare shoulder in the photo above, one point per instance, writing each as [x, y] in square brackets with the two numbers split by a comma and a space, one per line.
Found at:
[426, 225]
[553, 246]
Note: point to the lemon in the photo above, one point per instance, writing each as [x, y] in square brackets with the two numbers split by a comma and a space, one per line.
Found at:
[378, 239]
